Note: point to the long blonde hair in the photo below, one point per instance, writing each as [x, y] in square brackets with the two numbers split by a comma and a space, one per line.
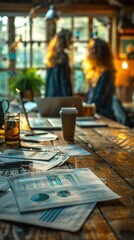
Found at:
[55, 51]
[99, 58]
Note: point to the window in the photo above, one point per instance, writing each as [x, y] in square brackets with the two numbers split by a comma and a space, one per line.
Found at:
[80, 28]
[3, 84]
[64, 22]
[22, 57]
[101, 27]
[4, 57]
[29, 36]
[3, 42]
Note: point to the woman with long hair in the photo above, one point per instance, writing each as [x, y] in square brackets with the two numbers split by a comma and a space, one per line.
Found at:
[100, 74]
[58, 80]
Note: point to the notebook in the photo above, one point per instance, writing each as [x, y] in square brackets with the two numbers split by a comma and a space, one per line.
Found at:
[39, 123]
[91, 123]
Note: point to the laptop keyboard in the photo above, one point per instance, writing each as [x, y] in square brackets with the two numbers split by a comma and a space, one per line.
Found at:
[39, 122]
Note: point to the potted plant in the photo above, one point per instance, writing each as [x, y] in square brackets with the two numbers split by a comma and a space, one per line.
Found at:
[28, 81]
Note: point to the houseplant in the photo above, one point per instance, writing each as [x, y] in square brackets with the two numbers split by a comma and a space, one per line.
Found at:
[28, 81]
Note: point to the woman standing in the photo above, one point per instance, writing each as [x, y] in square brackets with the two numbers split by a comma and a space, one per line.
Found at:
[100, 73]
[58, 80]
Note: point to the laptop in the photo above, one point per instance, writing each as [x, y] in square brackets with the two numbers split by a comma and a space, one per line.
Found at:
[39, 123]
[91, 123]
[50, 106]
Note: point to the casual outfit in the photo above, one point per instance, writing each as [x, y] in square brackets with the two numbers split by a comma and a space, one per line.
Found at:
[58, 81]
[102, 94]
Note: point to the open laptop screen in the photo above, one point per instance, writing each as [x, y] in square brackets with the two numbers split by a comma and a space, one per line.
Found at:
[22, 105]
[50, 106]
[39, 123]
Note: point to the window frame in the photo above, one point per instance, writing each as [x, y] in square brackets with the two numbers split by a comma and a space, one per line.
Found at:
[11, 39]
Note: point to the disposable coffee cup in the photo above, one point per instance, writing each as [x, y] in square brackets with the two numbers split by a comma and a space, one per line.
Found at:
[68, 119]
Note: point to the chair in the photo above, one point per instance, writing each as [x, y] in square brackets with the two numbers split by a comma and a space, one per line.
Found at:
[120, 113]
[50, 106]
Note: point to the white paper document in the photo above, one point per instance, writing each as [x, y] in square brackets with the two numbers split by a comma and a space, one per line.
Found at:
[46, 153]
[4, 184]
[33, 155]
[40, 138]
[73, 150]
[57, 160]
[44, 190]
[69, 149]
[63, 218]
[41, 165]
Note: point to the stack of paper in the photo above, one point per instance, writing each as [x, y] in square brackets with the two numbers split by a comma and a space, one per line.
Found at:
[64, 218]
[44, 159]
[68, 196]
[43, 190]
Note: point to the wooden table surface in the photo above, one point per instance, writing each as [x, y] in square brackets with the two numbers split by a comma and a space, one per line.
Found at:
[112, 158]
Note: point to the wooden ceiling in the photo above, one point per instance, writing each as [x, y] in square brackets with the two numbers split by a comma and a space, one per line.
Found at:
[119, 3]
[69, 6]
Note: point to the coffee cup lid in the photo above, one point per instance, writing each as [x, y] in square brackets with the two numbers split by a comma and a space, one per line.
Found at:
[68, 110]
[84, 104]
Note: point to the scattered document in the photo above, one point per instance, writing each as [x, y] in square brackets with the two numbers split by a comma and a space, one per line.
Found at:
[73, 150]
[64, 218]
[39, 165]
[57, 160]
[4, 184]
[33, 155]
[40, 138]
[69, 149]
[44, 190]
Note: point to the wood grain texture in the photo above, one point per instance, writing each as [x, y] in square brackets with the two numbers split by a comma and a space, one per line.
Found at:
[110, 159]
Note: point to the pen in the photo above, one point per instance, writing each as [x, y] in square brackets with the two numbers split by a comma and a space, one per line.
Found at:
[16, 164]
[29, 140]
[35, 134]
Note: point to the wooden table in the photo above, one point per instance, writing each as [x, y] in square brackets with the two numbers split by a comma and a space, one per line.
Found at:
[112, 158]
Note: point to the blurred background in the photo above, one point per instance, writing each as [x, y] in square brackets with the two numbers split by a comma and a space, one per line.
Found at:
[26, 27]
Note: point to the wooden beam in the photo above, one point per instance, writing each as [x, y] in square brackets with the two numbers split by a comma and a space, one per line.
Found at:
[114, 36]
[89, 10]
[82, 9]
